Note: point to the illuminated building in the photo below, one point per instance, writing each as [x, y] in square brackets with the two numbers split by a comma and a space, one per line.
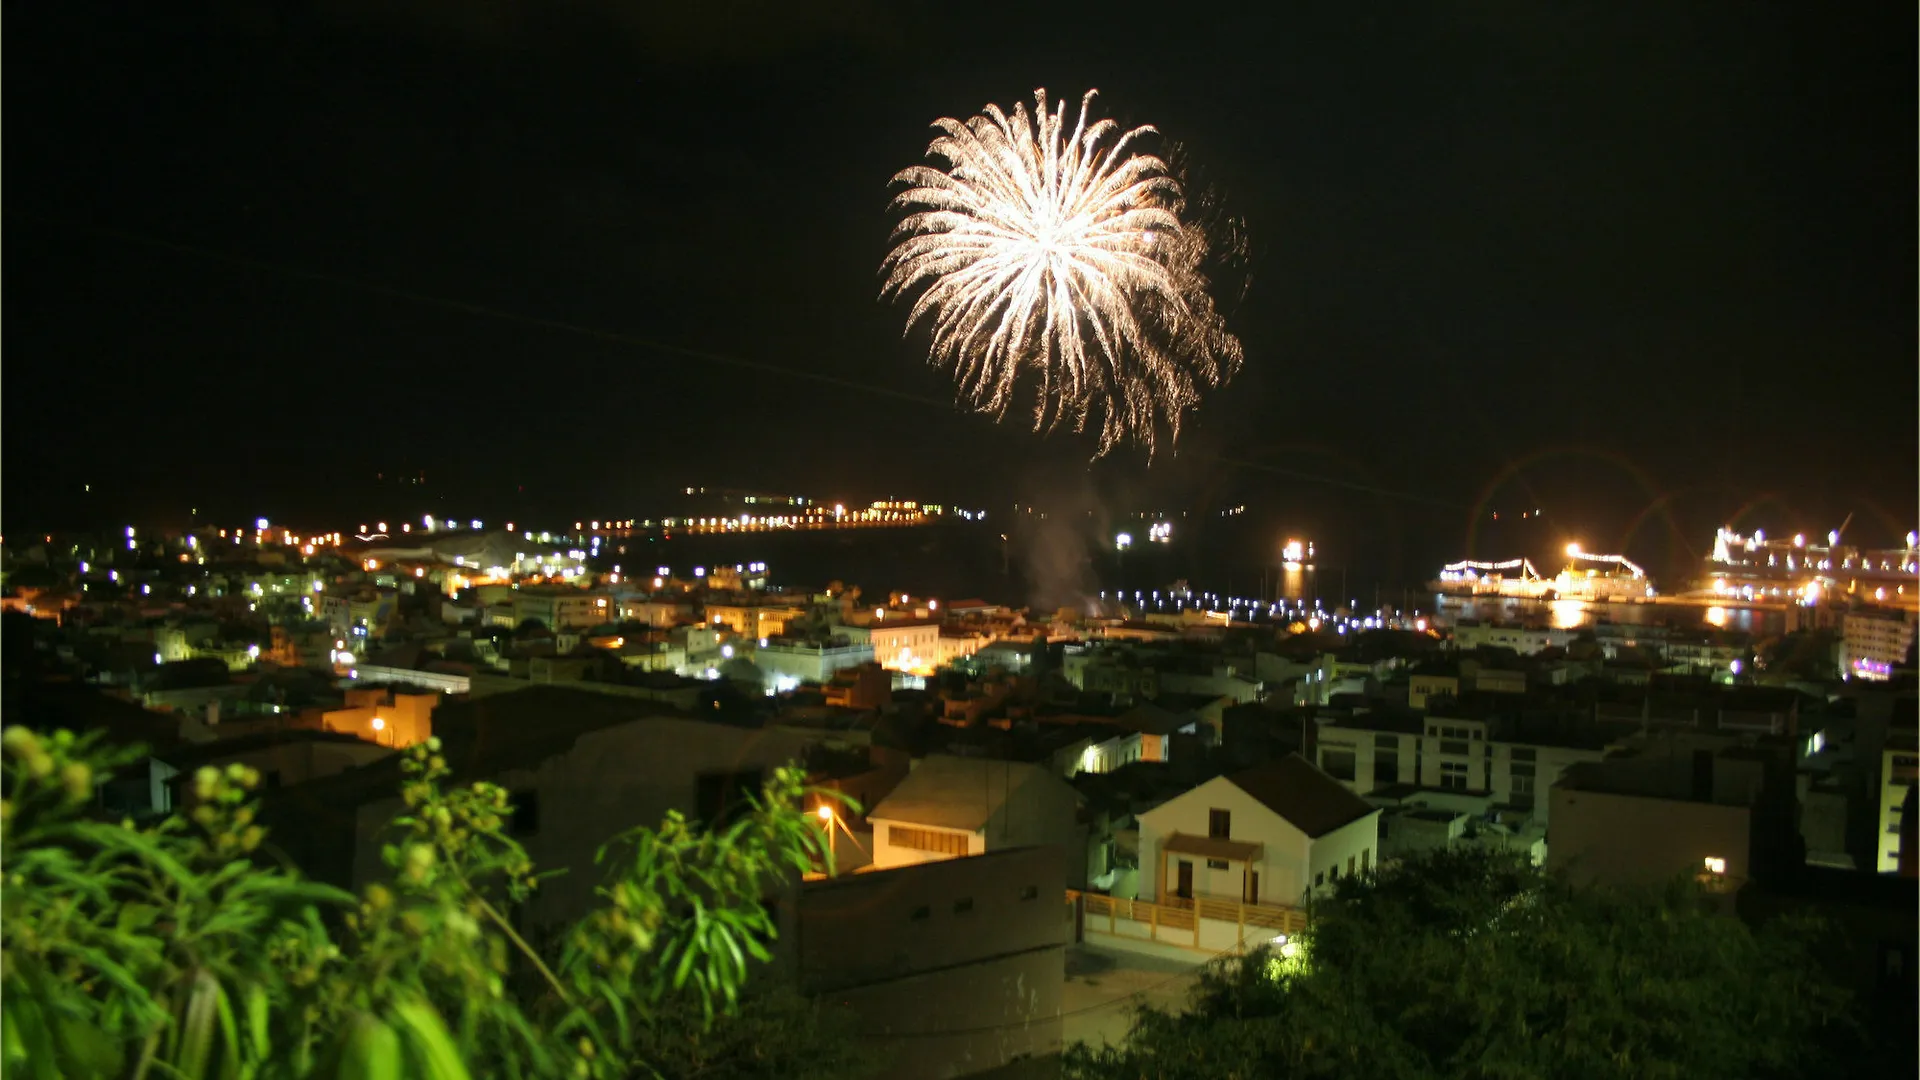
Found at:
[557, 606]
[900, 644]
[1803, 569]
[1872, 644]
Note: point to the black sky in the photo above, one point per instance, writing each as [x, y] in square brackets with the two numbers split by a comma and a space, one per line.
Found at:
[1618, 260]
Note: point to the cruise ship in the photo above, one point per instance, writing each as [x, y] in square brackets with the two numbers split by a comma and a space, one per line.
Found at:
[1587, 576]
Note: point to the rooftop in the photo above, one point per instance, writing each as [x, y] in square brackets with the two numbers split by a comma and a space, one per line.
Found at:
[960, 793]
[1298, 791]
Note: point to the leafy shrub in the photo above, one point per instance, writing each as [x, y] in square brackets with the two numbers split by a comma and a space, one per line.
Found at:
[171, 951]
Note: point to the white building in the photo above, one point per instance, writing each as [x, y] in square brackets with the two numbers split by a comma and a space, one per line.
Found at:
[1271, 834]
[898, 644]
[1471, 756]
[1521, 639]
[1871, 645]
[789, 662]
[948, 807]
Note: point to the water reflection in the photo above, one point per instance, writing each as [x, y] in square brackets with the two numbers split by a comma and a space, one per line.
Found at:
[1568, 614]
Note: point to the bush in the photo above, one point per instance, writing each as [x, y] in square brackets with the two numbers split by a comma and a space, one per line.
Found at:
[170, 951]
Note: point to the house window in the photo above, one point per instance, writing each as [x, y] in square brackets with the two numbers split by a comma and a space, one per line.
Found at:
[1352, 861]
[940, 843]
[1219, 824]
[963, 906]
[1714, 866]
[1338, 764]
[1453, 774]
[524, 808]
[1216, 864]
[921, 913]
[1030, 892]
[1453, 746]
[1319, 879]
[1386, 766]
[1333, 872]
[1521, 753]
[1366, 858]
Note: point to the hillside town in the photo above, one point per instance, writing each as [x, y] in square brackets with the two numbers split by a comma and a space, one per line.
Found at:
[1163, 786]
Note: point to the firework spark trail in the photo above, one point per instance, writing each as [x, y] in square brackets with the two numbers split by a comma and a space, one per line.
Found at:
[1057, 251]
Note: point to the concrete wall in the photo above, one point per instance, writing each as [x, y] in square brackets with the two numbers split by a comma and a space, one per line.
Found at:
[1631, 840]
[975, 947]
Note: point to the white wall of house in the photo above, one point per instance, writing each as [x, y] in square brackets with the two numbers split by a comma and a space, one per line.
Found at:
[1283, 862]
[1347, 850]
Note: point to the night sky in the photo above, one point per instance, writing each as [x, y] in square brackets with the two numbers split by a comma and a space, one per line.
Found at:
[1628, 263]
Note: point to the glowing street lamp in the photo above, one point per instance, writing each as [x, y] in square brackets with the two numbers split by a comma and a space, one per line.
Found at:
[825, 813]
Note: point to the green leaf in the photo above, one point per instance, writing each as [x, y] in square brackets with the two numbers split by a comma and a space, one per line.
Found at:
[430, 1048]
[196, 1025]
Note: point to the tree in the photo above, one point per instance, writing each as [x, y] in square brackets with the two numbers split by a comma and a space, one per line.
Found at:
[1472, 963]
[172, 951]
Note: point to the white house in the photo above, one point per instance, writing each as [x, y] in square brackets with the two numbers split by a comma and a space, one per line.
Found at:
[1269, 835]
[953, 806]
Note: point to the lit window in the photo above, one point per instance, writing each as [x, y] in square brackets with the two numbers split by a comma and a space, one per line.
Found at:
[1715, 866]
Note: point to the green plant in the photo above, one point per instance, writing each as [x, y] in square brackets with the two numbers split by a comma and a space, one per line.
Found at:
[170, 951]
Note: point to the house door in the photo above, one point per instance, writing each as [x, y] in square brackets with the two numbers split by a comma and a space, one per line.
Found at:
[1253, 886]
[1184, 890]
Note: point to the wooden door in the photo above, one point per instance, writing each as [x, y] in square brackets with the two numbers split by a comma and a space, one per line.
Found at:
[1185, 889]
[1253, 886]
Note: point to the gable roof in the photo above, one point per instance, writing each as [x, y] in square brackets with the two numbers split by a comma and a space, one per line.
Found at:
[1298, 791]
[948, 792]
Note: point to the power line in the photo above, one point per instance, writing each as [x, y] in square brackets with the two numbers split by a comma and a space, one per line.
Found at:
[614, 337]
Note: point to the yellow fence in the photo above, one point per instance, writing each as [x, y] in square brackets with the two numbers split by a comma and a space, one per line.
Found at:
[1185, 915]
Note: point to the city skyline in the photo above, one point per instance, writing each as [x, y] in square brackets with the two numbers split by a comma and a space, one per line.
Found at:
[1700, 294]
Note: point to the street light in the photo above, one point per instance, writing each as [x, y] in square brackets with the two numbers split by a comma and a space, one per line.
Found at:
[825, 813]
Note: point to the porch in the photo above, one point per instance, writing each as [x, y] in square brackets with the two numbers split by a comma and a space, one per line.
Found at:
[1204, 923]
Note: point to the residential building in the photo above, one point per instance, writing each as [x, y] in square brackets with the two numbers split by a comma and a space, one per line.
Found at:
[1271, 834]
[1423, 685]
[948, 807]
[1642, 820]
[558, 606]
[791, 661]
[899, 644]
[283, 758]
[1469, 635]
[1899, 767]
[582, 767]
[751, 620]
[384, 717]
[1873, 644]
[1511, 762]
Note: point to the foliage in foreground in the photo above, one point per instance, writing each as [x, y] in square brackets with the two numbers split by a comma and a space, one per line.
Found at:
[169, 951]
[1476, 964]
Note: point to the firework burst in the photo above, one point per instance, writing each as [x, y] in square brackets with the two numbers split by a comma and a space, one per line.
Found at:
[1056, 255]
